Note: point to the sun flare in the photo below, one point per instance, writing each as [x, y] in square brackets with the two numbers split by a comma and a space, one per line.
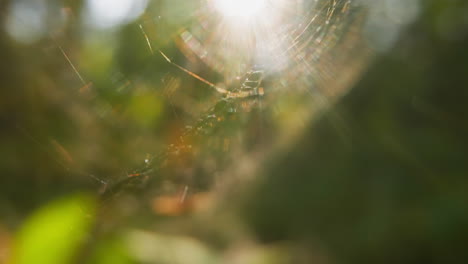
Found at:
[244, 9]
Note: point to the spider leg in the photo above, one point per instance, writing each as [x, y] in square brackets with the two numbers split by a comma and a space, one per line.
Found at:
[229, 94]
[212, 85]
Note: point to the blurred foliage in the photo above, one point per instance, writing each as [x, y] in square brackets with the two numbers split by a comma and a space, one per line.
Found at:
[380, 176]
[53, 233]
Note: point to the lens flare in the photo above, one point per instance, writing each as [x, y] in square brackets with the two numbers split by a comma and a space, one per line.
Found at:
[244, 9]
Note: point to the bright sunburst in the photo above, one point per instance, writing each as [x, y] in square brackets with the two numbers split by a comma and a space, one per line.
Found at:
[244, 9]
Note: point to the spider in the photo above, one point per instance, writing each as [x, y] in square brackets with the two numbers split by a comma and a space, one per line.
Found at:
[250, 87]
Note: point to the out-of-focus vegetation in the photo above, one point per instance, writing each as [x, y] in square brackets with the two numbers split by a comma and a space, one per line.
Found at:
[88, 105]
[54, 232]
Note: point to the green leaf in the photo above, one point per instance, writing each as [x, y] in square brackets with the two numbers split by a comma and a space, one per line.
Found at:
[54, 232]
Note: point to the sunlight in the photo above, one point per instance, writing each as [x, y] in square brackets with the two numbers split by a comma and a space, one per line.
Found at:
[111, 13]
[245, 9]
[249, 31]
[26, 21]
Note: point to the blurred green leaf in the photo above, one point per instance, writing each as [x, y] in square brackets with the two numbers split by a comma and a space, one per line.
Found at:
[145, 109]
[54, 232]
[112, 251]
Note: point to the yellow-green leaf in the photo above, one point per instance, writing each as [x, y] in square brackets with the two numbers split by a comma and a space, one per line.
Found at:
[54, 232]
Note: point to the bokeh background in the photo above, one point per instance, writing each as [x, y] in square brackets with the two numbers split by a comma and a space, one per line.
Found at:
[356, 152]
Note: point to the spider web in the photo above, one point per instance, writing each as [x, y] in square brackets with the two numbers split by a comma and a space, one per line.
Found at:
[174, 107]
[177, 100]
[318, 54]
